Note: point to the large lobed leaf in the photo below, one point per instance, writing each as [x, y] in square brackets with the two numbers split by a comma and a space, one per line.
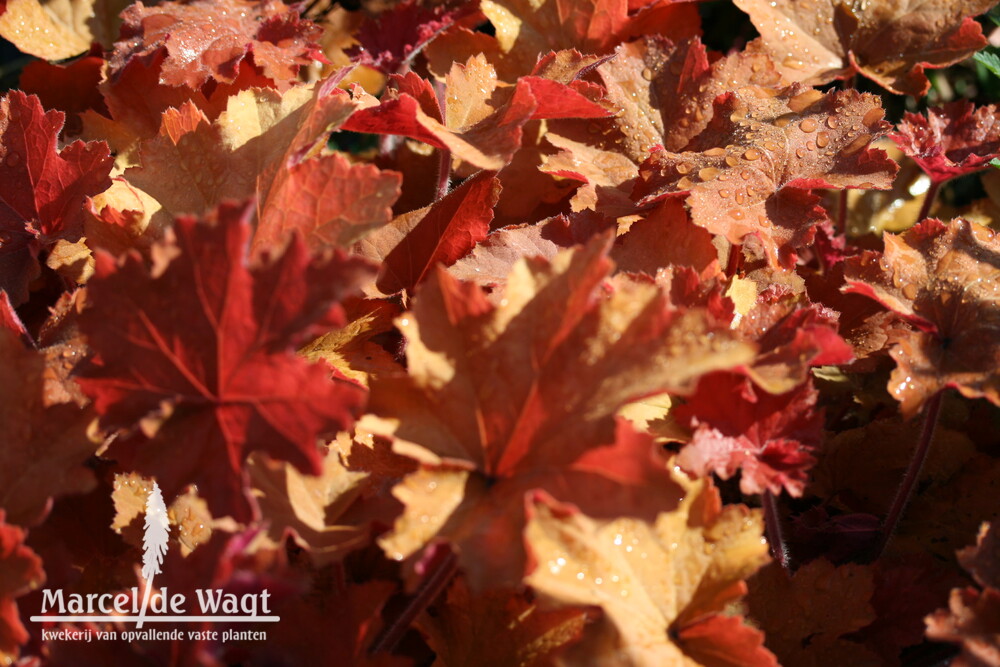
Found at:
[750, 171]
[889, 42]
[42, 188]
[202, 342]
[944, 280]
[501, 399]
[662, 584]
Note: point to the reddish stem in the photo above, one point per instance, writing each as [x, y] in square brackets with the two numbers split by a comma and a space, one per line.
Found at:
[444, 154]
[929, 198]
[444, 173]
[905, 492]
[775, 532]
[441, 572]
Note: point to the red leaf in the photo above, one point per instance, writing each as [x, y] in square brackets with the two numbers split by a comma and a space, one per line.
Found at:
[793, 336]
[740, 427]
[942, 279]
[10, 321]
[748, 173]
[223, 380]
[441, 233]
[951, 141]
[328, 200]
[390, 41]
[42, 189]
[719, 640]
[20, 572]
[482, 117]
[207, 40]
[502, 399]
[70, 88]
[891, 43]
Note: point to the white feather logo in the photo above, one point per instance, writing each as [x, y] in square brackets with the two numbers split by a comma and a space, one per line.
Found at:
[154, 543]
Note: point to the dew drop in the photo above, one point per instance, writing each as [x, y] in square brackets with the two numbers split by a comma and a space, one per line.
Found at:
[740, 198]
[822, 139]
[684, 168]
[715, 152]
[737, 214]
[745, 174]
[910, 291]
[832, 122]
[855, 146]
[708, 173]
[808, 125]
[684, 183]
[800, 152]
[731, 161]
[752, 154]
[804, 100]
[647, 74]
[725, 194]
[873, 116]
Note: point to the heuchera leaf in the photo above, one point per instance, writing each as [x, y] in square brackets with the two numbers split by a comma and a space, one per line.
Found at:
[777, 147]
[503, 399]
[806, 616]
[390, 41]
[982, 560]
[517, 630]
[206, 40]
[665, 93]
[44, 446]
[482, 118]
[792, 335]
[221, 380]
[972, 619]
[950, 141]
[42, 189]
[891, 43]
[660, 583]
[943, 279]
[38, 29]
[269, 145]
[70, 88]
[442, 233]
[739, 427]
[526, 30]
[20, 572]
[308, 507]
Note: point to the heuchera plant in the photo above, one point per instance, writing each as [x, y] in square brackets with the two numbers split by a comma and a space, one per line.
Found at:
[502, 332]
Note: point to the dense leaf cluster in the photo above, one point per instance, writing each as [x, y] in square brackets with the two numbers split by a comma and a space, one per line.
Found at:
[503, 332]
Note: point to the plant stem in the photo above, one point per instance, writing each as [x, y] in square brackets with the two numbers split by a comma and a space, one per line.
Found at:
[905, 492]
[775, 533]
[444, 154]
[436, 580]
[929, 198]
[444, 173]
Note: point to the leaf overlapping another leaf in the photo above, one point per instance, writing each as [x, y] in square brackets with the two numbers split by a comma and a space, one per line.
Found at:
[892, 43]
[500, 399]
[750, 171]
[945, 280]
[222, 380]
